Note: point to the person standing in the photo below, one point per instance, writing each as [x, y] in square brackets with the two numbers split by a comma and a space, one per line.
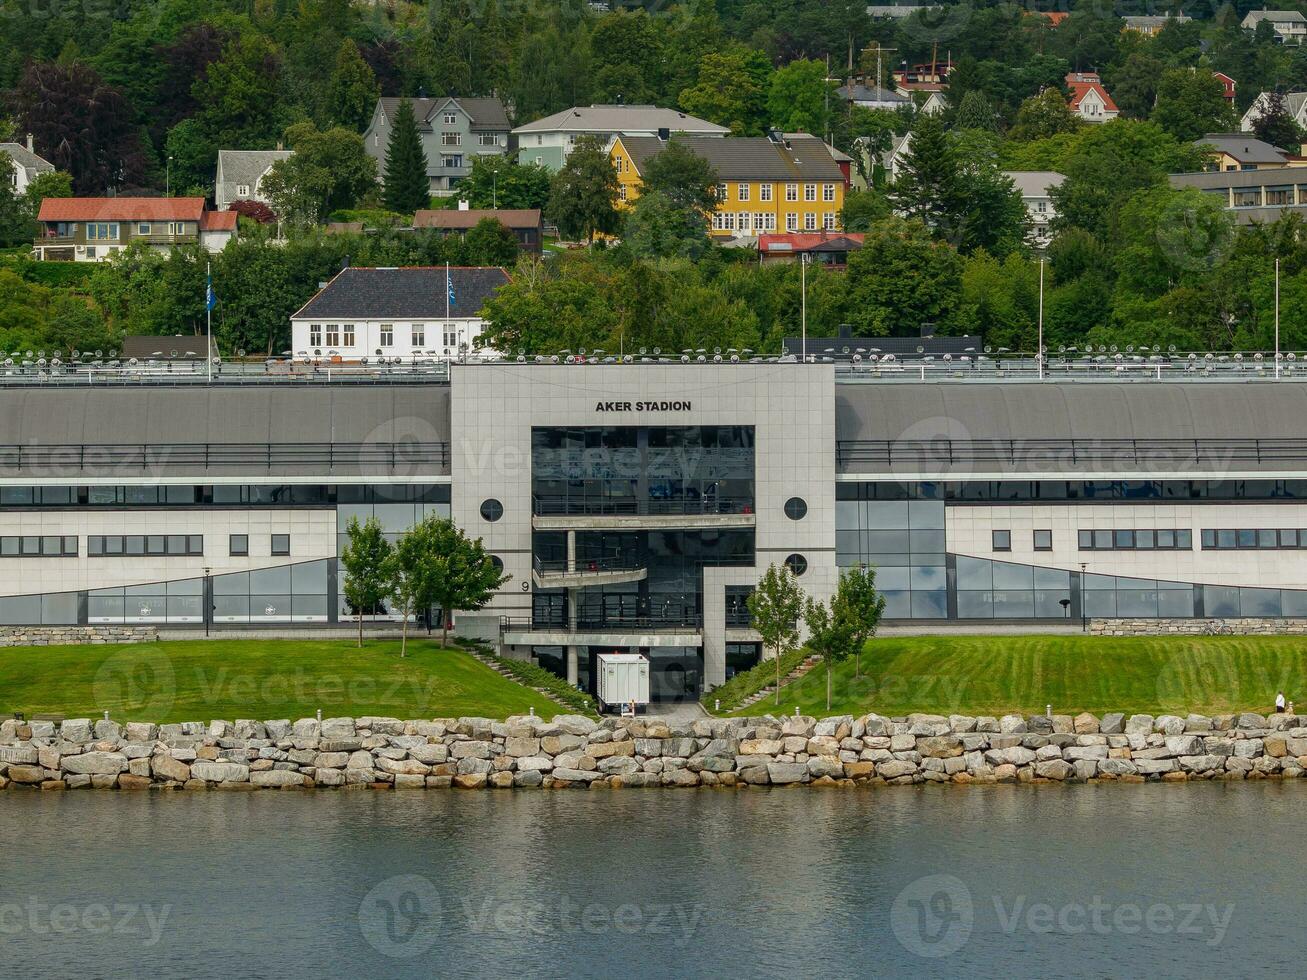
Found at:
[1279, 702]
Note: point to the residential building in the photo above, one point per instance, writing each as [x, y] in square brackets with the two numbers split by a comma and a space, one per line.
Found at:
[454, 132]
[1239, 151]
[781, 182]
[92, 229]
[815, 248]
[929, 77]
[636, 506]
[1228, 85]
[1295, 104]
[897, 11]
[1290, 26]
[526, 223]
[26, 164]
[1036, 188]
[1089, 100]
[240, 174]
[1150, 25]
[1253, 195]
[872, 97]
[892, 159]
[366, 314]
[932, 104]
[548, 141]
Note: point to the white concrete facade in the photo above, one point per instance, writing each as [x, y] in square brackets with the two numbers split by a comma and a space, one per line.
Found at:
[353, 340]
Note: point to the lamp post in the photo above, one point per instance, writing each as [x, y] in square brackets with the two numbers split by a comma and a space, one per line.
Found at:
[494, 187]
[168, 178]
[1084, 616]
[207, 599]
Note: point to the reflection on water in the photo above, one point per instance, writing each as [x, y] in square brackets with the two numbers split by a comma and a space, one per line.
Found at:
[940, 881]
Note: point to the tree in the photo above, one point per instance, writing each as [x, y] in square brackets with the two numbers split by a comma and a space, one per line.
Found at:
[1274, 125]
[901, 278]
[862, 209]
[490, 242]
[1191, 103]
[1134, 84]
[582, 195]
[798, 97]
[830, 636]
[927, 187]
[328, 171]
[353, 89]
[498, 182]
[1042, 116]
[12, 225]
[975, 112]
[455, 570]
[687, 180]
[775, 606]
[85, 127]
[407, 187]
[731, 90]
[860, 606]
[657, 228]
[365, 561]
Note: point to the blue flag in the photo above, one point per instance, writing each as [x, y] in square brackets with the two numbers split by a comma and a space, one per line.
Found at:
[449, 285]
[210, 300]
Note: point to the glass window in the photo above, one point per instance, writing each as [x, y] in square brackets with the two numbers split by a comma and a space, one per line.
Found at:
[238, 544]
[1123, 540]
[1166, 539]
[281, 544]
[491, 510]
[1144, 540]
[1043, 540]
[1220, 600]
[1184, 539]
[1085, 540]
[1001, 540]
[1288, 538]
[975, 605]
[929, 605]
[1246, 538]
[1259, 602]
[797, 564]
[796, 508]
[1011, 576]
[1175, 603]
[1102, 540]
[974, 573]
[928, 577]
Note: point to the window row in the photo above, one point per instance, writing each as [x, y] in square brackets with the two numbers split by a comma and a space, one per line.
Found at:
[134, 545]
[744, 190]
[1253, 539]
[1177, 539]
[39, 546]
[271, 495]
[343, 334]
[1097, 490]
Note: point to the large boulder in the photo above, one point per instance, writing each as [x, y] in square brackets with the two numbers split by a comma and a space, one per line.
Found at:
[786, 772]
[220, 772]
[94, 763]
[279, 777]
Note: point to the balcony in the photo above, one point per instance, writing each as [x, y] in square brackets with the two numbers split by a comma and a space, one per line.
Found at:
[577, 573]
[552, 513]
[616, 631]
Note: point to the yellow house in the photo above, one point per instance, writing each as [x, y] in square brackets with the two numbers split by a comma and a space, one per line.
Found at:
[765, 184]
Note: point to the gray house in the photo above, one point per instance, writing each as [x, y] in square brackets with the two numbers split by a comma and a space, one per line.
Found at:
[454, 132]
[240, 173]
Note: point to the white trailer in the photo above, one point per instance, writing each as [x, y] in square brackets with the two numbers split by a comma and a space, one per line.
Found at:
[623, 679]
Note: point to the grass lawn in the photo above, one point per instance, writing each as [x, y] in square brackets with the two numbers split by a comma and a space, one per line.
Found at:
[199, 680]
[993, 675]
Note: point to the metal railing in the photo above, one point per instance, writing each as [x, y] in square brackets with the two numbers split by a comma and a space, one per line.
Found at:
[1177, 453]
[315, 455]
[559, 506]
[648, 624]
[607, 563]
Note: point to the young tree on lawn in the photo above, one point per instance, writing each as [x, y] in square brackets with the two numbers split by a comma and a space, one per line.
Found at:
[776, 605]
[407, 187]
[406, 580]
[830, 635]
[582, 195]
[461, 575]
[365, 562]
[860, 605]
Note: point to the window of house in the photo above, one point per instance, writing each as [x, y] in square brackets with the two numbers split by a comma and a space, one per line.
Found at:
[621, 192]
[721, 192]
[743, 191]
[451, 335]
[539, 160]
[828, 220]
[333, 335]
[419, 335]
[1001, 540]
[810, 192]
[347, 335]
[90, 251]
[451, 160]
[810, 221]
[43, 546]
[143, 228]
[792, 222]
[315, 335]
[764, 192]
[771, 220]
[745, 221]
[791, 192]
[376, 139]
[238, 544]
[728, 220]
[488, 139]
[451, 118]
[828, 192]
[759, 221]
[242, 190]
[102, 231]
[140, 545]
[387, 338]
[451, 139]
[281, 544]
[1043, 540]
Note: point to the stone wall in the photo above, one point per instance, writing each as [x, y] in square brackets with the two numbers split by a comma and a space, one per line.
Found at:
[574, 751]
[49, 636]
[1197, 627]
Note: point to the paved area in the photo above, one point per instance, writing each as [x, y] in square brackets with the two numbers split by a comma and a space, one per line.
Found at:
[677, 713]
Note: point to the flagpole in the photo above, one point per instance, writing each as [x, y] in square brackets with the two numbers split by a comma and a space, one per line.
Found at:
[208, 314]
[1277, 317]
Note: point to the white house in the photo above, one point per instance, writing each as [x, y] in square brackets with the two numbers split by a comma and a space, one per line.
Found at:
[872, 96]
[934, 104]
[240, 172]
[1295, 104]
[1089, 100]
[548, 141]
[411, 312]
[26, 164]
[1290, 26]
[1036, 194]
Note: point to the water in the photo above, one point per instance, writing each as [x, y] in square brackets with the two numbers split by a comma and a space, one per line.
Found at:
[1049, 881]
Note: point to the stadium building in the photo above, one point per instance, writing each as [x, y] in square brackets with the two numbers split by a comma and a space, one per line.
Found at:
[636, 504]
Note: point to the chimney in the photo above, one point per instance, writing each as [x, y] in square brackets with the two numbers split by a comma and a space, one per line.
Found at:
[31, 144]
[664, 134]
[462, 205]
[774, 135]
[281, 145]
[845, 331]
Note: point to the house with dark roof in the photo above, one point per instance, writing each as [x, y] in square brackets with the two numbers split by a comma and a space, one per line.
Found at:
[387, 313]
[548, 141]
[1242, 151]
[1290, 26]
[1295, 104]
[526, 224]
[780, 182]
[819, 248]
[856, 92]
[92, 229]
[26, 164]
[240, 172]
[454, 131]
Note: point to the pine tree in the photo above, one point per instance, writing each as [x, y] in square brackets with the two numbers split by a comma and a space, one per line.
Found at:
[928, 186]
[407, 188]
[975, 112]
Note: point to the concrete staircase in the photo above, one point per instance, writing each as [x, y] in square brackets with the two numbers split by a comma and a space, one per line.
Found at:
[770, 689]
[503, 671]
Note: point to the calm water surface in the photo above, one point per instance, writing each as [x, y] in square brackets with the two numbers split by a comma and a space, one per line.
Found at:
[1158, 880]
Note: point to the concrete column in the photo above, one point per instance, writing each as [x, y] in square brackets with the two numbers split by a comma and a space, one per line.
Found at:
[571, 551]
[572, 656]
